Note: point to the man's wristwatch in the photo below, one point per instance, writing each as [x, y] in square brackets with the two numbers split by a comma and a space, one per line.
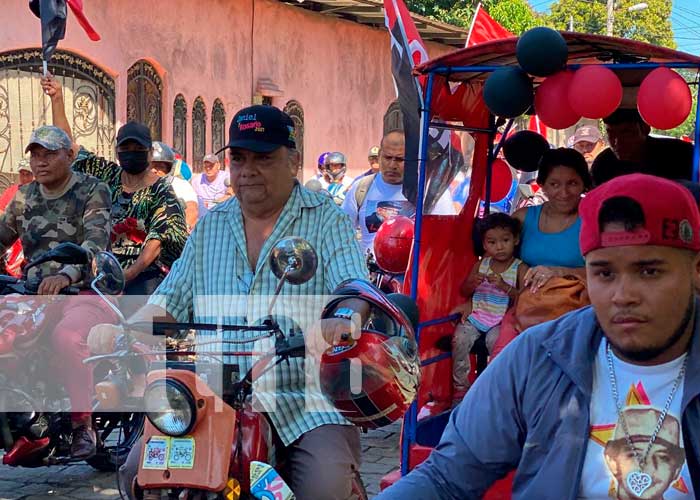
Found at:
[343, 313]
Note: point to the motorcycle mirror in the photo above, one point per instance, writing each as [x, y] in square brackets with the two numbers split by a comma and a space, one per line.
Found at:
[294, 260]
[109, 276]
[64, 253]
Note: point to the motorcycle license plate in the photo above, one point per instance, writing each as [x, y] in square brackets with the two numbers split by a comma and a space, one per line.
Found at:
[164, 452]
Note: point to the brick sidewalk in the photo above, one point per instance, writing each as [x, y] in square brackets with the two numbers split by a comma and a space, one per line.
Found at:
[380, 454]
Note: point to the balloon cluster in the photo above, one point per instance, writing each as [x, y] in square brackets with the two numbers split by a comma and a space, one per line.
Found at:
[564, 97]
[508, 91]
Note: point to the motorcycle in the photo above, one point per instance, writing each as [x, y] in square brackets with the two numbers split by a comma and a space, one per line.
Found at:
[13, 260]
[184, 451]
[387, 282]
[40, 434]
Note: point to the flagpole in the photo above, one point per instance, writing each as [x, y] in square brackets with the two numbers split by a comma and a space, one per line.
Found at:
[471, 28]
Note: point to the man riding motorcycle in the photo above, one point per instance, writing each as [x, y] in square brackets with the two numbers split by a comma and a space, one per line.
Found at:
[226, 262]
[60, 206]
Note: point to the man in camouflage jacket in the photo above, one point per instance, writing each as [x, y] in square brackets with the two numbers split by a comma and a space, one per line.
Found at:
[59, 206]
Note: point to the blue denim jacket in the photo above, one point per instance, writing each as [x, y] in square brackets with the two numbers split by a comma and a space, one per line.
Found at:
[530, 411]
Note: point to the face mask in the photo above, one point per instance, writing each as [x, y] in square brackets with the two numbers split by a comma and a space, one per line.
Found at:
[133, 162]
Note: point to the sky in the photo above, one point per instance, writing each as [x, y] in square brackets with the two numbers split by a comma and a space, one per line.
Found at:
[685, 18]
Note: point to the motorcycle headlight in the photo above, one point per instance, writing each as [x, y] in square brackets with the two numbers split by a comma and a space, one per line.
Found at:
[170, 407]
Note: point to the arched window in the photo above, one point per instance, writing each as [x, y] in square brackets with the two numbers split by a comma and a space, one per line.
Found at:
[296, 113]
[144, 97]
[393, 118]
[218, 128]
[180, 125]
[199, 133]
[88, 92]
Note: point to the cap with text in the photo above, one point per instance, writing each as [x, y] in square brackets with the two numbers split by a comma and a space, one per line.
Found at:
[671, 216]
[261, 129]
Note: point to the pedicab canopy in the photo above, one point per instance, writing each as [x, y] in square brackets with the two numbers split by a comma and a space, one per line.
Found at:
[593, 92]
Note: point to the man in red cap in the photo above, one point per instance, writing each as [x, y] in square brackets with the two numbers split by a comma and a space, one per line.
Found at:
[605, 401]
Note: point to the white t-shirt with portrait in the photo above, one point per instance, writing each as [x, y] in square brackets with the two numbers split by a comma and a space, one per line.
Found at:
[384, 201]
[643, 391]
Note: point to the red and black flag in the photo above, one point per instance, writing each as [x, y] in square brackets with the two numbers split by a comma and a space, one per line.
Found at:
[53, 15]
[407, 50]
[76, 6]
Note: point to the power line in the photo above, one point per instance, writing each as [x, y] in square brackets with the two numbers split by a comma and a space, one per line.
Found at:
[687, 10]
[691, 28]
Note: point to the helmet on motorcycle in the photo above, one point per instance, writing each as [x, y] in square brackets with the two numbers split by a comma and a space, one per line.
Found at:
[336, 165]
[393, 243]
[162, 153]
[384, 360]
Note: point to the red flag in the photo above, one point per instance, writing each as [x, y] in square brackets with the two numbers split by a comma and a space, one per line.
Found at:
[77, 7]
[484, 29]
[536, 125]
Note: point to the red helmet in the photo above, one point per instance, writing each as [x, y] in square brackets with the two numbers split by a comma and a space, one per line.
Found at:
[393, 243]
[373, 380]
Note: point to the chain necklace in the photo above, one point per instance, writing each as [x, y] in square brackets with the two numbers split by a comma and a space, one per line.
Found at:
[567, 219]
[639, 481]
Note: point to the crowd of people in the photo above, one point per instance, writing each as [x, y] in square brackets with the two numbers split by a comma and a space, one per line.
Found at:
[169, 234]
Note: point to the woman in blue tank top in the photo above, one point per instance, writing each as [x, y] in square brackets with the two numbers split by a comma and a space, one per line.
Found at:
[550, 232]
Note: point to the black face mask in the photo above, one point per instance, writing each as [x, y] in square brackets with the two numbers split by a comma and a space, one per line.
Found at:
[133, 162]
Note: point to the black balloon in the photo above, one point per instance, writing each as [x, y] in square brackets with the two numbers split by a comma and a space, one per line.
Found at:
[524, 149]
[542, 51]
[508, 92]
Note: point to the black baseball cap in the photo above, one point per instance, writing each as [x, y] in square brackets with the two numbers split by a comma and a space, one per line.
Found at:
[261, 129]
[134, 131]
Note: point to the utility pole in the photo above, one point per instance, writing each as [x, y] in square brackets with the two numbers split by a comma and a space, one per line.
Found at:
[611, 17]
[571, 23]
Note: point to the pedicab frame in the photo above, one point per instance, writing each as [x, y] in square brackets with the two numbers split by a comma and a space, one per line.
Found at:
[428, 278]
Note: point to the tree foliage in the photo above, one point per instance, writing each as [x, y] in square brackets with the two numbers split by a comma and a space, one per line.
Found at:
[515, 15]
[652, 24]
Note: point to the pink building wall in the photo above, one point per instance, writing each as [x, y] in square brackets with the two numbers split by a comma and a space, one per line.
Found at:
[339, 71]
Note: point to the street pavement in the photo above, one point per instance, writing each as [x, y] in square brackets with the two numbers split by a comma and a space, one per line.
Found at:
[380, 454]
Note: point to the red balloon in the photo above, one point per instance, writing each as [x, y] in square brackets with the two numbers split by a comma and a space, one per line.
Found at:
[664, 99]
[595, 92]
[552, 101]
[501, 181]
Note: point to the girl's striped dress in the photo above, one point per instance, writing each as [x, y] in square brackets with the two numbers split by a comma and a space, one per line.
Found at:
[490, 303]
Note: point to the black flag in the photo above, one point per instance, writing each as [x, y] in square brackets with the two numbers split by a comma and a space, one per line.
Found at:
[407, 49]
[53, 15]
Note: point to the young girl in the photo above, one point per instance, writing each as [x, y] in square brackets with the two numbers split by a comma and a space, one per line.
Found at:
[491, 286]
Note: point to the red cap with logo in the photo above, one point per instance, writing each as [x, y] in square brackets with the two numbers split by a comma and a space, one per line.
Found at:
[671, 216]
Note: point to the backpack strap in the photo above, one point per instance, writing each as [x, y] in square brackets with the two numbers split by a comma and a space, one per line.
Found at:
[363, 186]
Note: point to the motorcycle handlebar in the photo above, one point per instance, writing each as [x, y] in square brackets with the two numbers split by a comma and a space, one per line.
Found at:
[10, 284]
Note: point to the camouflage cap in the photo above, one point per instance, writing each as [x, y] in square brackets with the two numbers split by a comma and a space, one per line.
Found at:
[50, 137]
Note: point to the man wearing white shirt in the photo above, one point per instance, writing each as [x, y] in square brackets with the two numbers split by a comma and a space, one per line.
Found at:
[377, 197]
[210, 185]
[162, 165]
